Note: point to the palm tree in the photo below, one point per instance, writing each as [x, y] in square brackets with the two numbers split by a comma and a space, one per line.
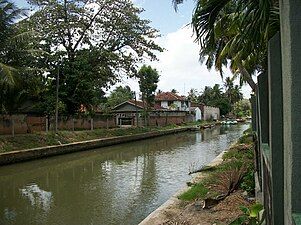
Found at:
[9, 13]
[235, 31]
[216, 91]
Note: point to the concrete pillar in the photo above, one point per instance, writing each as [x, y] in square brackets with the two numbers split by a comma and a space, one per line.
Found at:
[263, 107]
[276, 128]
[254, 110]
[290, 26]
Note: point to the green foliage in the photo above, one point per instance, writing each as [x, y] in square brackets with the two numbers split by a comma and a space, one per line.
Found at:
[236, 171]
[222, 103]
[148, 79]
[193, 95]
[250, 215]
[196, 191]
[119, 95]
[90, 44]
[242, 108]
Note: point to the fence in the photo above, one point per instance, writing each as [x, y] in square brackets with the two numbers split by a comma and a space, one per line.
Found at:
[23, 123]
[267, 107]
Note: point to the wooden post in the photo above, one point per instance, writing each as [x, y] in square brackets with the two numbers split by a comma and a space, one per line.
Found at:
[46, 123]
[13, 125]
[91, 121]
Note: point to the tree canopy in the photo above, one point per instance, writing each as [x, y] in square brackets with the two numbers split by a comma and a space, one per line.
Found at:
[88, 45]
[148, 79]
[235, 32]
[120, 94]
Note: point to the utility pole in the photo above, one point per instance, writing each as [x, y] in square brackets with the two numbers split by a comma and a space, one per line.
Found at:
[136, 109]
[57, 99]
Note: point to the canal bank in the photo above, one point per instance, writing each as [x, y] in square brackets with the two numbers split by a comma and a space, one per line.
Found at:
[196, 204]
[119, 184]
[172, 206]
[36, 153]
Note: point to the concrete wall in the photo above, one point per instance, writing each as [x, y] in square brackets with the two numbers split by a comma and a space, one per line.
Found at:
[211, 113]
[22, 124]
[198, 114]
[290, 26]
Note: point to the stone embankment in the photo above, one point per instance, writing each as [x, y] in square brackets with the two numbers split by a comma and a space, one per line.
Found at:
[36, 153]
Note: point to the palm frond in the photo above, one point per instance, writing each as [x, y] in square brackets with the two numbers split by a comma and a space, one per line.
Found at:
[7, 74]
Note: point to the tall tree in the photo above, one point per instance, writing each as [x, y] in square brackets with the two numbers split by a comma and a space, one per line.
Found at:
[19, 76]
[193, 95]
[93, 42]
[148, 79]
[236, 32]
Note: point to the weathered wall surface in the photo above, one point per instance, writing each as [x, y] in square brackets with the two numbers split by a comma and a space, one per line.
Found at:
[211, 113]
[22, 124]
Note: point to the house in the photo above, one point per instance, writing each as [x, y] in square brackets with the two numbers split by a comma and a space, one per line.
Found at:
[128, 113]
[172, 101]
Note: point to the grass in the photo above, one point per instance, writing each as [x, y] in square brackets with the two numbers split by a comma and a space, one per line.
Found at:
[196, 191]
[237, 167]
[41, 139]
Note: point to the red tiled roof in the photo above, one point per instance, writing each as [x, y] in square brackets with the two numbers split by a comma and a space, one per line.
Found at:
[138, 103]
[169, 96]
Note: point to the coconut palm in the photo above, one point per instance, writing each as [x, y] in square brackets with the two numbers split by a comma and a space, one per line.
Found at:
[9, 13]
[236, 32]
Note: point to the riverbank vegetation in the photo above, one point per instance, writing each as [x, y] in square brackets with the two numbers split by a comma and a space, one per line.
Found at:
[42, 139]
[228, 98]
[232, 179]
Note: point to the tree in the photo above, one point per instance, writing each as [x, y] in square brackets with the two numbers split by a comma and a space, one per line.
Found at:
[193, 95]
[206, 95]
[232, 92]
[19, 76]
[148, 79]
[242, 108]
[9, 12]
[216, 91]
[119, 95]
[93, 43]
[236, 32]
[174, 91]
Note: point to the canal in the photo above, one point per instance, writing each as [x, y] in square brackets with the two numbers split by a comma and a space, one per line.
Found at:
[119, 185]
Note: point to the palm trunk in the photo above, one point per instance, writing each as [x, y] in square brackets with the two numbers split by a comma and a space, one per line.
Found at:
[247, 76]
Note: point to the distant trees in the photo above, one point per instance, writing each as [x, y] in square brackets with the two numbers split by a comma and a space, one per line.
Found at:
[174, 91]
[216, 97]
[148, 79]
[119, 95]
[193, 95]
[242, 108]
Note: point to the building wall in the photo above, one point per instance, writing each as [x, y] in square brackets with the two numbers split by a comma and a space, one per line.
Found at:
[164, 104]
[198, 114]
[211, 113]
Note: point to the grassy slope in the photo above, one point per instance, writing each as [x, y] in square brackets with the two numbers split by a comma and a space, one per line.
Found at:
[237, 161]
[26, 141]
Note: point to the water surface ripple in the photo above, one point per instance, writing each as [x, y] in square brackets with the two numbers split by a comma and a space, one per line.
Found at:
[118, 185]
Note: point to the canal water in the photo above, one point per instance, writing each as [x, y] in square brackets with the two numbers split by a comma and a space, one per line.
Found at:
[118, 185]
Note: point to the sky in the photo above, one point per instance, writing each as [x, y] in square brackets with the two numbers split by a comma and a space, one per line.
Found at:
[178, 65]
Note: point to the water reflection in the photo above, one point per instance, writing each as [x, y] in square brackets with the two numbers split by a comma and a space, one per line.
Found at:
[115, 185]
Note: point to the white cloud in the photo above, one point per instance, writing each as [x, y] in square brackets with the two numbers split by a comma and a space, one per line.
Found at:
[179, 65]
